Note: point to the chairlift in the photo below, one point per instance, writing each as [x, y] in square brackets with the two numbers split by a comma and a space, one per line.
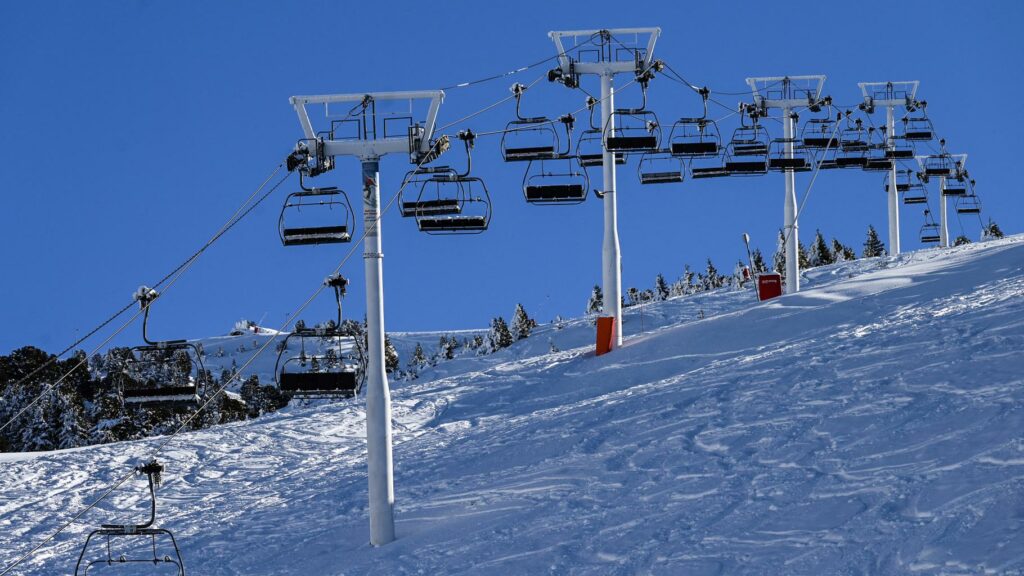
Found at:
[695, 137]
[930, 230]
[449, 202]
[968, 204]
[747, 152]
[590, 146]
[707, 167]
[527, 139]
[916, 194]
[633, 129]
[904, 180]
[901, 149]
[660, 168]
[316, 374]
[938, 164]
[918, 128]
[163, 554]
[853, 144]
[161, 374]
[779, 159]
[555, 182]
[820, 133]
[955, 186]
[316, 216]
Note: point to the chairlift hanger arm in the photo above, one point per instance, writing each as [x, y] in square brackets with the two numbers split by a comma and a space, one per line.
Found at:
[604, 67]
[370, 148]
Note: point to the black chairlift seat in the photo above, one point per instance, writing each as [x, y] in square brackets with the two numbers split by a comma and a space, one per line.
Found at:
[589, 160]
[554, 193]
[529, 153]
[875, 164]
[698, 173]
[954, 188]
[918, 129]
[315, 235]
[316, 384]
[632, 143]
[452, 224]
[821, 141]
[165, 397]
[661, 177]
[438, 207]
[851, 161]
[694, 148]
[746, 167]
[930, 237]
[915, 197]
[797, 164]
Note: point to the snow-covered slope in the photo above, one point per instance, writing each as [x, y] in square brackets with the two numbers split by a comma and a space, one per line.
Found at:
[871, 424]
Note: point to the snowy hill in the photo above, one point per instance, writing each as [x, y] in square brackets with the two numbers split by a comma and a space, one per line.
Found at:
[869, 425]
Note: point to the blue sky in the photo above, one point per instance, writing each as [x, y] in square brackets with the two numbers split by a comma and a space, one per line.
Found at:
[132, 130]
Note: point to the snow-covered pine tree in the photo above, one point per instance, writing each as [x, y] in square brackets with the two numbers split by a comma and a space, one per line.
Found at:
[418, 359]
[779, 259]
[805, 256]
[758, 262]
[522, 324]
[712, 278]
[821, 254]
[872, 245]
[391, 360]
[500, 336]
[842, 252]
[661, 290]
[634, 297]
[596, 302]
[991, 231]
[961, 240]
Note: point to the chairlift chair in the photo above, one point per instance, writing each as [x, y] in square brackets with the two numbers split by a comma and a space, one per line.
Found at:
[853, 145]
[968, 204]
[555, 182]
[778, 158]
[165, 557]
[590, 146]
[633, 130]
[528, 138]
[316, 374]
[955, 186]
[901, 149]
[938, 164]
[710, 167]
[316, 216]
[916, 194]
[660, 168]
[161, 374]
[747, 152]
[918, 128]
[930, 230]
[819, 133]
[449, 202]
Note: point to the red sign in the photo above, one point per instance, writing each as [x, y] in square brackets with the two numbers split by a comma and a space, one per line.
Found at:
[769, 286]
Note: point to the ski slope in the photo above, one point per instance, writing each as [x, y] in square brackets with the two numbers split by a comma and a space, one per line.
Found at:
[872, 424]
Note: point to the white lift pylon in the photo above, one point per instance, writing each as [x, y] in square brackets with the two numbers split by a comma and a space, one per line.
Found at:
[606, 60]
[788, 93]
[891, 94]
[368, 139]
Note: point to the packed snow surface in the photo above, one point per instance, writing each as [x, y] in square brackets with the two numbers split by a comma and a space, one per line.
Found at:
[872, 424]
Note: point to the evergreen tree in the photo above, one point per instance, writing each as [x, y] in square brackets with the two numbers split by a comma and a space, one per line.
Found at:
[634, 297]
[391, 360]
[779, 259]
[758, 262]
[418, 360]
[596, 302]
[500, 336]
[522, 324]
[821, 254]
[872, 245]
[991, 231]
[961, 240]
[805, 256]
[661, 290]
[841, 252]
[688, 280]
[712, 278]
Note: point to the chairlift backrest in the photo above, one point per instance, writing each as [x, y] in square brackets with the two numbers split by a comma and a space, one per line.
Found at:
[555, 182]
[660, 168]
[316, 216]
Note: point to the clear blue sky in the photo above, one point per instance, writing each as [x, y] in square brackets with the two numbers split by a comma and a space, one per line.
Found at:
[131, 130]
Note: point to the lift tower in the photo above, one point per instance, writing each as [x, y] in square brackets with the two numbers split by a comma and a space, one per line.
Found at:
[890, 95]
[368, 133]
[608, 58]
[787, 93]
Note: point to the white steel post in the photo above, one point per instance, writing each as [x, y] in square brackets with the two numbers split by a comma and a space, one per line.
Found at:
[611, 267]
[943, 224]
[894, 195]
[791, 226]
[378, 397]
